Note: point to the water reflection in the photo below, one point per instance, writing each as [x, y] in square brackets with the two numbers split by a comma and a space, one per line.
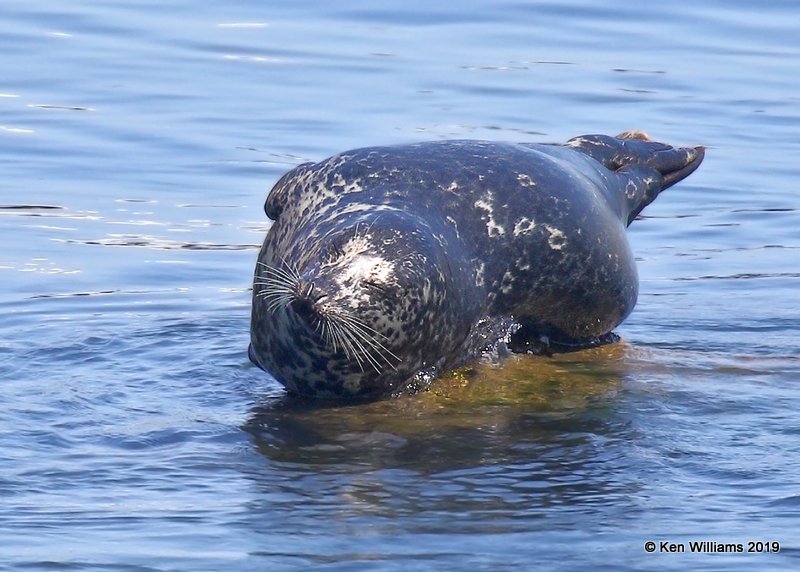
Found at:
[490, 450]
[528, 409]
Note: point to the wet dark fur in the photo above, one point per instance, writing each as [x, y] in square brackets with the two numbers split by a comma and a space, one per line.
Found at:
[390, 263]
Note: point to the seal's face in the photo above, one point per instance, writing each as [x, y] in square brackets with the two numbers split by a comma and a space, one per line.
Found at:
[359, 314]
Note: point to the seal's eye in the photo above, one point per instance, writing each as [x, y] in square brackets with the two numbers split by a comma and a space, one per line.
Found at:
[384, 290]
[375, 285]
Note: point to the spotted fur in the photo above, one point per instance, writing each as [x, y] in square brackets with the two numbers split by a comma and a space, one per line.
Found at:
[390, 263]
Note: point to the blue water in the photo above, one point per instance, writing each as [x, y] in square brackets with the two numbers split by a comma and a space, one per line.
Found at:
[138, 141]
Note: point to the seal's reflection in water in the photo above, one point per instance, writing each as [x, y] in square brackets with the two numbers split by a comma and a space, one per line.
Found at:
[484, 459]
[533, 420]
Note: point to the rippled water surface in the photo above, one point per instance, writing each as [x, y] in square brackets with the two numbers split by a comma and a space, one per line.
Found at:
[137, 144]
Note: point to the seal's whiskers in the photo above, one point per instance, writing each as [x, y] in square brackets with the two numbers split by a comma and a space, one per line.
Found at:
[346, 343]
[366, 339]
[348, 334]
[279, 285]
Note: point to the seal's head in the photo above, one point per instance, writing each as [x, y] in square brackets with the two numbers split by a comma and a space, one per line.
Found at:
[373, 302]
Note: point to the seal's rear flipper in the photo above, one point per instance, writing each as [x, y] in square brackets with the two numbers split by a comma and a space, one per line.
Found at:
[648, 166]
[636, 148]
[677, 164]
[663, 169]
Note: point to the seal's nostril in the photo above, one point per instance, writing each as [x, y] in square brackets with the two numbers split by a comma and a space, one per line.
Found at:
[306, 289]
[306, 298]
[303, 307]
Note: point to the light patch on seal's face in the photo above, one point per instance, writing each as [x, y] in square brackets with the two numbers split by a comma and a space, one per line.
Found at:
[355, 264]
[362, 207]
[357, 244]
[365, 267]
[353, 186]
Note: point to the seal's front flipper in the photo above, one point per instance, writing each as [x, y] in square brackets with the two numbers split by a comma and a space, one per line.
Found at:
[490, 339]
[546, 341]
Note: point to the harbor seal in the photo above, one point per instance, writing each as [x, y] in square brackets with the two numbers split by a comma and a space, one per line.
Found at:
[387, 265]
